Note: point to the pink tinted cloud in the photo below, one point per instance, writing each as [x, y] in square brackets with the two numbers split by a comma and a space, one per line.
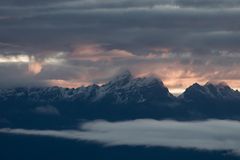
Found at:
[34, 67]
[67, 83]
[6, 17]
[176, 75]
[95, 52]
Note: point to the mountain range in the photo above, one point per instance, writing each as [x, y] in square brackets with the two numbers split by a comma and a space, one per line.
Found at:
[123, 97]
[122, 89]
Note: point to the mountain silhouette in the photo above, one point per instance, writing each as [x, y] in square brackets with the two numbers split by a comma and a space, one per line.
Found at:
[210, 91]
[123, 97]
[121, 89]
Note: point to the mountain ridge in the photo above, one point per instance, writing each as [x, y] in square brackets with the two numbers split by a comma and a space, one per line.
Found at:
[123, 87]
[122, 98]
[216, 91]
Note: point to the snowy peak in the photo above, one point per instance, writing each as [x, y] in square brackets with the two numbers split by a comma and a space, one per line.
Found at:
[219, 84]
[126, 78]
[217, 91]
[222, 90]
[124, 88]
[222, 86]
[121, 79]
[148, 81]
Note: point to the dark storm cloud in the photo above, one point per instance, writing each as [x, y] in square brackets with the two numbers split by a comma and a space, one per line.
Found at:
[208, 3]
[15, 75]
[195, 36]
[130, 25]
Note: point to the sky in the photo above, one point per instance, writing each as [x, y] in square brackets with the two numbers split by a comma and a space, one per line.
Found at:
[71, 43]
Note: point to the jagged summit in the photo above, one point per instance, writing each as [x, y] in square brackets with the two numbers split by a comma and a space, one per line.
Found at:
[216, 84]
[124, 88]
[123, 74]
[210, 90]
[127, 80]
[121, 78]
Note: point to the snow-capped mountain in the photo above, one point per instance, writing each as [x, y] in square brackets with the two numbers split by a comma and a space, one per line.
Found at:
[123, 88]
[123, 97]
[210, 91]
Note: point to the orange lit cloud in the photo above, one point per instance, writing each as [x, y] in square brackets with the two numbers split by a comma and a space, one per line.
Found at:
[94, 52]
[67, 84]
[177, 76]
[34, 67]
[161, 50]
[176, 71]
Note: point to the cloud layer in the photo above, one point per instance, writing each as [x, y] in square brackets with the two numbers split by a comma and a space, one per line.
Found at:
[202, 135]
[82, 41]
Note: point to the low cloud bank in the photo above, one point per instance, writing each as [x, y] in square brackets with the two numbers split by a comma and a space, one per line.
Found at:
[202, 135]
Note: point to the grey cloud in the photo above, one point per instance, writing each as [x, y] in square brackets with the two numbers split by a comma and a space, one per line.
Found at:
[208, 3]
[42, 29]
[202, 135]
[121, 3]
[17, 75]
[134, 28]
